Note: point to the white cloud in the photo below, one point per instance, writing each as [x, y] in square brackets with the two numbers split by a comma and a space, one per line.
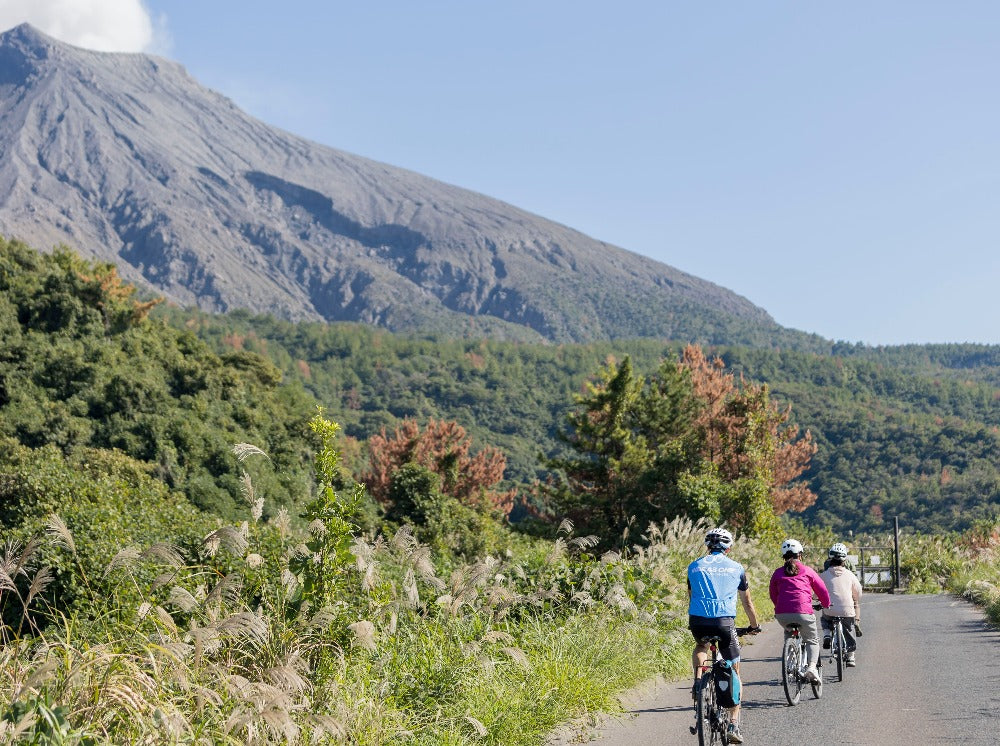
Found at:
[101, 25]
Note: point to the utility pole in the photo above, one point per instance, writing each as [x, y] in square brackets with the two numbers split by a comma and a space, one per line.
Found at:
[895, 553]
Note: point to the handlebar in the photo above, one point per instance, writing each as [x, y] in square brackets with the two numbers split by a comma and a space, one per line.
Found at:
[740, 631]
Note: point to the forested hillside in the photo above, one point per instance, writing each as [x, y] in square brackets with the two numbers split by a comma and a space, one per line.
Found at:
[919, 440]
[81, 367]
[906, 431]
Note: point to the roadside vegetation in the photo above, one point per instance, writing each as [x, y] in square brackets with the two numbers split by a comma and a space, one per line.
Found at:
[967, 564]
[258, 633]
[157, 587]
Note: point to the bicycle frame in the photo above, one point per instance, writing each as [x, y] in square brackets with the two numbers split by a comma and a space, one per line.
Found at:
[839, 646]
[712, 719]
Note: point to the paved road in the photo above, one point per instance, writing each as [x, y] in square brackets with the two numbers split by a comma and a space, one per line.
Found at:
[928, 672]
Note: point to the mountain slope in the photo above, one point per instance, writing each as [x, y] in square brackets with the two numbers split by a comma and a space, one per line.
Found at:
[124, 157]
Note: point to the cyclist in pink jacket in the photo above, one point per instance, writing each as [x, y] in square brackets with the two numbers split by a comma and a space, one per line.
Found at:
[792, 588]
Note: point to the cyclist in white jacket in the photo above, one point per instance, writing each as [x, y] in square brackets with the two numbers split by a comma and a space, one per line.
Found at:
[845, 601]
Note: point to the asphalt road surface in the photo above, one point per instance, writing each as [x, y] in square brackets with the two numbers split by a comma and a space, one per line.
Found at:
[928, 672]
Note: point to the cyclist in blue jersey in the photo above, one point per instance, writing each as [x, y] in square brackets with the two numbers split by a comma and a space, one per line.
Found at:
[714, 583]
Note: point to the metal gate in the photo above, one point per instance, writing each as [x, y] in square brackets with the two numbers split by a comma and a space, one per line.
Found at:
[876, 568]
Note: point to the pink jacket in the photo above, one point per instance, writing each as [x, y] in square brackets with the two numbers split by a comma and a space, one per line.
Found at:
[792, 594]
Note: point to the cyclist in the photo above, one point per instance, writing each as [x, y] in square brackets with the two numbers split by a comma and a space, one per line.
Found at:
[848, 562]
[714, 583]
[792, 588]
[845, 600]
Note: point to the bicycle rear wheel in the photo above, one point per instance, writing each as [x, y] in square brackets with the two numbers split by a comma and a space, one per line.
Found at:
[704, 702]
[790, 664]
[713, 720]
[838, 648]
[720, 733]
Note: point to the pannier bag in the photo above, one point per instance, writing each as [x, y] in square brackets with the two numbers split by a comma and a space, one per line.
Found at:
[727, 684]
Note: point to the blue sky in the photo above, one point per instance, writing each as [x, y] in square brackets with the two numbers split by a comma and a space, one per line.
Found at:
[837, 164]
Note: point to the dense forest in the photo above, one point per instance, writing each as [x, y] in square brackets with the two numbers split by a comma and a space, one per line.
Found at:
[908, 431]
[901, 431]
[80, 369]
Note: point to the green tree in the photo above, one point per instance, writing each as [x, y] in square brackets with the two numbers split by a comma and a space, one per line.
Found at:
[440, 520]
[687, 441]
[633, 442]
[81, 366]
[330, 517]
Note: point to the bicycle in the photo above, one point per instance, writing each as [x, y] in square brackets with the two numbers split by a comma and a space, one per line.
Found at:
[712, 719]
[792, 678]
[838, 645]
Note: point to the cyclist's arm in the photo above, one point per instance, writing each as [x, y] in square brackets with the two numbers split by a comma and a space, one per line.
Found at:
[772, 587]
[819, 588]
[748, 607]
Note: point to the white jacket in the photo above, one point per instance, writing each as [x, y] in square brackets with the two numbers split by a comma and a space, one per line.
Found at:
[845, 592]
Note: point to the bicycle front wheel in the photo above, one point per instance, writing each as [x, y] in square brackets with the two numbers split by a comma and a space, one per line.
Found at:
[790, 664]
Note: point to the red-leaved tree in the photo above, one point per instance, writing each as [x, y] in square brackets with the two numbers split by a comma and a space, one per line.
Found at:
[442, 447]
[744, 432]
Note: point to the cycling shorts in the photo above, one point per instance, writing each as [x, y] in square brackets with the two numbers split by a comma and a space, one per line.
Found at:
[724, 627]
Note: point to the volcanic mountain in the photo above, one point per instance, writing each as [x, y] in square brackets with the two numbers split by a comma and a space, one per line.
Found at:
[125, 158]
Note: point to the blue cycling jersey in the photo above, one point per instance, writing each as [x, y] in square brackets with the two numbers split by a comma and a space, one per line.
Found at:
[714, 581]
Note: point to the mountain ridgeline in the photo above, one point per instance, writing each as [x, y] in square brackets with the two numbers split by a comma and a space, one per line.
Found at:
[125, 158]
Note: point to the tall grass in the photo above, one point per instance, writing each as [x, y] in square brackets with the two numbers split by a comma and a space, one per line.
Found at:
[978, 577]
[967, 564]
[259, 635]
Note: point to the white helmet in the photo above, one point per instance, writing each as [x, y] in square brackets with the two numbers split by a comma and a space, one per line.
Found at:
[838, 551]
[718, 538]
[790, 545]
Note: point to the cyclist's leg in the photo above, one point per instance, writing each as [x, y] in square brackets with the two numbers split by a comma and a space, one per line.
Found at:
[810, 633]
[730, 650]
[850, 643]
[734, 712]
[699, 660]
[827, 623]
[699, 656]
